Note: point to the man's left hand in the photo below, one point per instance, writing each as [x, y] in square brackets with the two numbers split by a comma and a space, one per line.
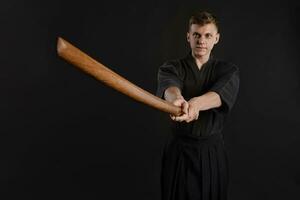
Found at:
[193, 111]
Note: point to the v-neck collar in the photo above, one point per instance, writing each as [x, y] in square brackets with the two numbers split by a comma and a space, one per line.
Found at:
[191, 60]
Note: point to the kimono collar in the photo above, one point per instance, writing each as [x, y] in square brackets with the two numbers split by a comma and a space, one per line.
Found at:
[191, 60]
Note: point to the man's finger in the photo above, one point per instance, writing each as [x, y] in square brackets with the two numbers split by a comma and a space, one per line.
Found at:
[172, 117]
[181, 118]
[185, 107]
[189, 119]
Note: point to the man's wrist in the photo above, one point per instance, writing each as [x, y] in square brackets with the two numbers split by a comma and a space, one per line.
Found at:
[172, 93]
[199, 103]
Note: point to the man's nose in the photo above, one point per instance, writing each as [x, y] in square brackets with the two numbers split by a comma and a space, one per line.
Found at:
[200, 41]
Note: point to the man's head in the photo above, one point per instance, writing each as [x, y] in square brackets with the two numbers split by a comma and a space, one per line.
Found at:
[202, 34]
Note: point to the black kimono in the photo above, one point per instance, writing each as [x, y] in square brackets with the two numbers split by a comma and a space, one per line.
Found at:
[194, 160]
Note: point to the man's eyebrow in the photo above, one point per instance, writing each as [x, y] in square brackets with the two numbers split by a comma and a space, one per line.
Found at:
[196, 33]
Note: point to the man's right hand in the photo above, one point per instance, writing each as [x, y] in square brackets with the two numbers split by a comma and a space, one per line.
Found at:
[173, 95]
[181, 102]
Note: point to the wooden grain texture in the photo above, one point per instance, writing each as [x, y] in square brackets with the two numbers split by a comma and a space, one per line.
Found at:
[97, 70]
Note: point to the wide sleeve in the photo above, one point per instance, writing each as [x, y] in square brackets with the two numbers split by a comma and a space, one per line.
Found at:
[169, 74]
[227, 86]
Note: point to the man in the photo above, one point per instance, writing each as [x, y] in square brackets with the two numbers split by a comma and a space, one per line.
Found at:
[194, 161]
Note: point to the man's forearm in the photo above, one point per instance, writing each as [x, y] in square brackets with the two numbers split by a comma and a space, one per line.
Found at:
[209, 100]
[172, 93]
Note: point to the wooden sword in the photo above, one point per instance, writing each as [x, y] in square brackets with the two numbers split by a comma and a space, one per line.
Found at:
[100, 72]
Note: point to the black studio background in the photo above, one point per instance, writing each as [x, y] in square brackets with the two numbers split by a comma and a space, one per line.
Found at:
[66, 136]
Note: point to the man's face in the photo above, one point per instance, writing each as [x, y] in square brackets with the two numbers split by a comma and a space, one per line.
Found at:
[202, 39]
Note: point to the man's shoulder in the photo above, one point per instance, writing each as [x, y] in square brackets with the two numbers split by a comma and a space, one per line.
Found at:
[174, 61]
[179, 62]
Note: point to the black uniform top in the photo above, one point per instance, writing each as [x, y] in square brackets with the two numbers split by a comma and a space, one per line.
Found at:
[215, 75]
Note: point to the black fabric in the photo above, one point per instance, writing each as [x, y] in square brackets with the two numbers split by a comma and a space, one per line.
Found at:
[215, 75]
[194, 160]
[226, 85]
[194, 168]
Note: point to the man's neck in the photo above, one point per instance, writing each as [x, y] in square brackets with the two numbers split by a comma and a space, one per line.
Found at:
[200, 60]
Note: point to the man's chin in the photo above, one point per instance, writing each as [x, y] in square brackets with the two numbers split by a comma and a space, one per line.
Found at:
[200, 53]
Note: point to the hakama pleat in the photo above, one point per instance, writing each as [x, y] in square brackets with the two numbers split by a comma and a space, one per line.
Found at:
[194, 168]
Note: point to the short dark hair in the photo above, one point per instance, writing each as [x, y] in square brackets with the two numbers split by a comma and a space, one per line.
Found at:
[202, 18]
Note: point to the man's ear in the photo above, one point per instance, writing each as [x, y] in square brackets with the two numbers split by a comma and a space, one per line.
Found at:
[217, 38]
[188, 36]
